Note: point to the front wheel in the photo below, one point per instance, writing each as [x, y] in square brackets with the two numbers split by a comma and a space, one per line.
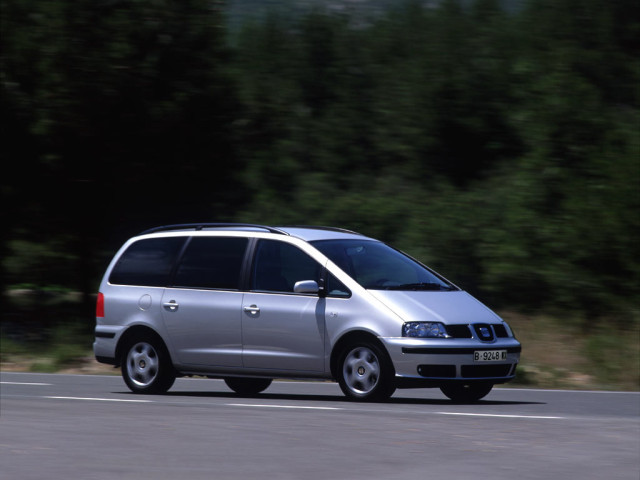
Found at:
[365, 373]
[466, 393]
[247, 386]
[146, 367]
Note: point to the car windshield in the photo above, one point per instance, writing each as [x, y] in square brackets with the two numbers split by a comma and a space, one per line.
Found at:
[377, 266]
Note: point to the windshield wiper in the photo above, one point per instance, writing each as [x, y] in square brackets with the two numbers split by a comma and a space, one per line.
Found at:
[427, 286]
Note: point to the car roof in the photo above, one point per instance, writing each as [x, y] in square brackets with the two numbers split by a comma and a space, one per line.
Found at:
[312, 233]
[308, 233]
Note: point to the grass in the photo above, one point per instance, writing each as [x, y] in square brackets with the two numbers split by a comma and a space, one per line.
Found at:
[64, 348]
[559, 354]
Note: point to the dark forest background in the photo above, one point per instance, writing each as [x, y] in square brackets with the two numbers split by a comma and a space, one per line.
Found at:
[497, 142]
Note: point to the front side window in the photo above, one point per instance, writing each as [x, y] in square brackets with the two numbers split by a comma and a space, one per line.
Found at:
[335, 288]
[147, 262]
[377, 266]
[278, 266]
[211, 262]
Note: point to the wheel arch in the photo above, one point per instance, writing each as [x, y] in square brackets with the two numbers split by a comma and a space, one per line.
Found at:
[137, 332]
[351, 338]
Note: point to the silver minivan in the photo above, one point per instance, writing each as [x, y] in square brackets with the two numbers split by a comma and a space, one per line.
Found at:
[250, 303]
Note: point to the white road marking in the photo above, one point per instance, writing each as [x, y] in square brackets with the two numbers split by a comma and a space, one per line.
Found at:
[559, 390]
[280, 406]
[26, 383]
[101, 399]
[536, 417]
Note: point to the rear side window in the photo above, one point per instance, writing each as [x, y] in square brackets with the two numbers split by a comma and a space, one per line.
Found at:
[147, 262]
[212, 262]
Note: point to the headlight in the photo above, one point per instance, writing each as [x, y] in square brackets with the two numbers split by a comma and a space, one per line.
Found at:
[424, 330]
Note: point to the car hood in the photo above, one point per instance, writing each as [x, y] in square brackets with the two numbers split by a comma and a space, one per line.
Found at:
[455, 307]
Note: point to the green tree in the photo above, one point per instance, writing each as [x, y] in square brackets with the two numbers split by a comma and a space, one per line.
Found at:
[129, 106]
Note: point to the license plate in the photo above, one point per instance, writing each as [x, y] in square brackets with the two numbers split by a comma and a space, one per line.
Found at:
[489, 355]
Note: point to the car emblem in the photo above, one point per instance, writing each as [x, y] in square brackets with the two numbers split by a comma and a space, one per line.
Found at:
[484, 332]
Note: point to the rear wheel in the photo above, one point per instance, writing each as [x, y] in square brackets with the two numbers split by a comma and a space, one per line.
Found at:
[466, 392]
[247, 386]
[146, 367]
[365, 373]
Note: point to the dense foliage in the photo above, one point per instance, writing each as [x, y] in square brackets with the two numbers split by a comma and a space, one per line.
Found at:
[500, 146]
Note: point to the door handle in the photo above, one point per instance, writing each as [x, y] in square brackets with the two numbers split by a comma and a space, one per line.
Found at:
[171, 305]
[253, 310]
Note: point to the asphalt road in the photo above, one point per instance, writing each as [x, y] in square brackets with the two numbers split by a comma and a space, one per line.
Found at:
[91, 427]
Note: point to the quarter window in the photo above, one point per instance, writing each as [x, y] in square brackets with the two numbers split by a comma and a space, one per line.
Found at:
[335, 288]
[147, 262]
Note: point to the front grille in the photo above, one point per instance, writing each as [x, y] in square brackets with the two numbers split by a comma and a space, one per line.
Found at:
[480, 371]
[437, 371]
[501, 331]
[458, 331]
[463, 331]
[483, 332]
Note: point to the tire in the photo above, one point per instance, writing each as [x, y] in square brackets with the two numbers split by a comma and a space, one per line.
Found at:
[365, 373]
[466, 392]
[247, 386]
[146, 367]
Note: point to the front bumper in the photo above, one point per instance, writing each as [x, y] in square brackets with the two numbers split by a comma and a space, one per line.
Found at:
[445, 360]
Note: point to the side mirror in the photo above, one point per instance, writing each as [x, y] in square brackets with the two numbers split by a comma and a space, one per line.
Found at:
[306, 286]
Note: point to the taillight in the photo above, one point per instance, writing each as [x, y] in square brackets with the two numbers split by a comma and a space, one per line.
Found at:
[100, 306]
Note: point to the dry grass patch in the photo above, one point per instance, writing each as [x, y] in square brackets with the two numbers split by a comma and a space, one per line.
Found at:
[559, 354]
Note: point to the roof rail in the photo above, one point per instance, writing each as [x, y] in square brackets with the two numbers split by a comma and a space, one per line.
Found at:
[330, 229]
[201, 226]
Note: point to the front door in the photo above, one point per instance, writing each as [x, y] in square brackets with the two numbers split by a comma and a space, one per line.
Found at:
[283, 330]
